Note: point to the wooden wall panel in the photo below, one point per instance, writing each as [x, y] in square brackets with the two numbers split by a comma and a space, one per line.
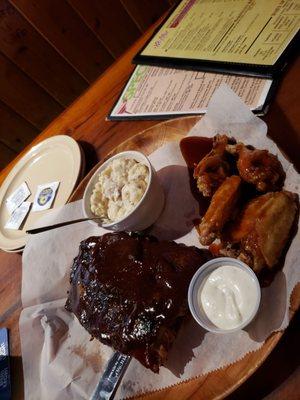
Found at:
[15, 131]
[6, 155]
[145, 12]
[51, 50]
[25, 97]
[23, 45]
[109, 21]
[57, 21]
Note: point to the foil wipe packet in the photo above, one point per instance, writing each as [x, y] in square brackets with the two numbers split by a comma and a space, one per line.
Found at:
[18, 216]
[45, 195]
[17, 197]
[5, 386]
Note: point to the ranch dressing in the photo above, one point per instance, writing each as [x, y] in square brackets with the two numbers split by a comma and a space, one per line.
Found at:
[228, 296]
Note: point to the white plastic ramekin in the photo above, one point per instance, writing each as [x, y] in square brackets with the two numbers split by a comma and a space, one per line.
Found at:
[198, 281]
[148, 209]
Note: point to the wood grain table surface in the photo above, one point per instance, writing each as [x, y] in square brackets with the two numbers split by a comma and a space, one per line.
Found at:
[85, 121]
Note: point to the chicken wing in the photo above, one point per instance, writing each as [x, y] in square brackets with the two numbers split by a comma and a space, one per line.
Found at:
[261, 231]
[220, 209]
[214, 168]
[258, 167]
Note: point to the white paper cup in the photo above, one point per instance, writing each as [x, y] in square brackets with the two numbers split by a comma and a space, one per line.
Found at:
[147, 210]
[198, 281]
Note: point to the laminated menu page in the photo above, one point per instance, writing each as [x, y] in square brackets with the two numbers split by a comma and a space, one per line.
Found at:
[253, 37]
[155, 92]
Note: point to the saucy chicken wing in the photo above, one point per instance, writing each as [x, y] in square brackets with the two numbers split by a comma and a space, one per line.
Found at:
[214, 168]
[259, 167]
[220, 209]
[261, 231]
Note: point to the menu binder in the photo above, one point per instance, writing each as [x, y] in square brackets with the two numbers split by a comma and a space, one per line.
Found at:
[245, 37]
[158, 93]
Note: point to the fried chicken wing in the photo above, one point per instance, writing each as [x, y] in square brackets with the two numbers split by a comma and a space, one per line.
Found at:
[220, 209]
[258, 167]
[261, 231]
[214, 168]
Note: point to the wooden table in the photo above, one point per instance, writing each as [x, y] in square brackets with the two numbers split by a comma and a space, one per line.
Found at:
[85, 121]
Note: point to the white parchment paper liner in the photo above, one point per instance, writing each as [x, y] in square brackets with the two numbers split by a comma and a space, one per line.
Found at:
[59, 360]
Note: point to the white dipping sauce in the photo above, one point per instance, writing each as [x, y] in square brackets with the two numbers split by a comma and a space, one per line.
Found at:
[228, 296]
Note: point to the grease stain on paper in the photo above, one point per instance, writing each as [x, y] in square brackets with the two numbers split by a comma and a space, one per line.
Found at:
[92, 360]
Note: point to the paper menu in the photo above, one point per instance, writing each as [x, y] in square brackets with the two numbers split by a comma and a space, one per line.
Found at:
[157, 92]
[238, 31]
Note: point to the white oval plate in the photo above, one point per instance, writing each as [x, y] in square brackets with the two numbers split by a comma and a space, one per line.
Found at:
[55, 159]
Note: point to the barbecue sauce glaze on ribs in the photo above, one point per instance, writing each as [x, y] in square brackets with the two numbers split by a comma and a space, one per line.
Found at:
[130, 292]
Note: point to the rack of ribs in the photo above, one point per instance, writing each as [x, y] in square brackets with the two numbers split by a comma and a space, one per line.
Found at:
[130, 292]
